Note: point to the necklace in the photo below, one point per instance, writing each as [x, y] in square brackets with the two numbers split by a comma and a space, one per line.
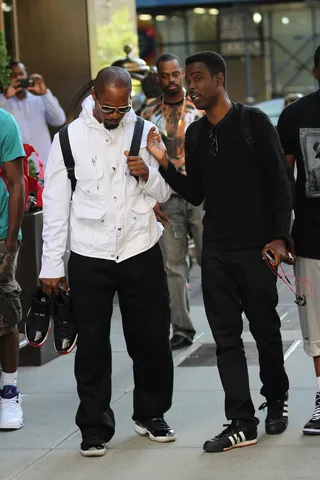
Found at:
[179, 122]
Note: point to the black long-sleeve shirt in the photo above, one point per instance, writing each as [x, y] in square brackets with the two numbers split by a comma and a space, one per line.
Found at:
[247, 198]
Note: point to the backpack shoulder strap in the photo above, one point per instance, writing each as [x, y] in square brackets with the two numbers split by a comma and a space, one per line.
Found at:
[246, 130]
[67, 155]
[136, 140]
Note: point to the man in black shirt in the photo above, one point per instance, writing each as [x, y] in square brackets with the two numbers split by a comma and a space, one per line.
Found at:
[247, 213]
[299, 130]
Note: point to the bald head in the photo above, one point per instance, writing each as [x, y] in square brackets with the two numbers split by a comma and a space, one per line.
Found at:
[112, 96]
[112, 77]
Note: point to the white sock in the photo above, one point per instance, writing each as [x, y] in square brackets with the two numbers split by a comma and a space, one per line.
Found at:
[318, 381]
[9, 379]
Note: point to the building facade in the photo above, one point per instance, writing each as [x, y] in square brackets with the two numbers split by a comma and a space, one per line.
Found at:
[67, 41]
[268, 45]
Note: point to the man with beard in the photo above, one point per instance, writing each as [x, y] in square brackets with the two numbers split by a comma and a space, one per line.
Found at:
[172, 113]
[114, 247]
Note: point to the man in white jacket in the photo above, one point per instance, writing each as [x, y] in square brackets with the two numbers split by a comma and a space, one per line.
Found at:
[34, 108]
[114, 247]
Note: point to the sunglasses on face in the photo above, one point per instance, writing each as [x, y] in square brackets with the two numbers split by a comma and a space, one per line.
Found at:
[107, 109]
[122, 110]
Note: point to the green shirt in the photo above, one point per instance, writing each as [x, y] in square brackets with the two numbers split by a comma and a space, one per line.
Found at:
[11, 147]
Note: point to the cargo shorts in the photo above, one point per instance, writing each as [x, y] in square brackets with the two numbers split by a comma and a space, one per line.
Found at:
[10, 305]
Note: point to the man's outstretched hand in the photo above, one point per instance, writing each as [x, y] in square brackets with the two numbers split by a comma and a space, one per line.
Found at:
[156, 147]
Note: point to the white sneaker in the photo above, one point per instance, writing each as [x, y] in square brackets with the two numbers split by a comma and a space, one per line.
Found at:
[11, 416]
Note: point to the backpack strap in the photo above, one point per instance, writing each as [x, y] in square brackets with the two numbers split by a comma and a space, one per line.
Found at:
[245, 129]
[136, 139]
[67, 155]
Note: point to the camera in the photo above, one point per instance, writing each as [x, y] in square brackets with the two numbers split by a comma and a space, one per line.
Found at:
[26, 83]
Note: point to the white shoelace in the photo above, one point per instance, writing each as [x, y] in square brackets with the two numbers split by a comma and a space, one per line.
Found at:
[316, 413]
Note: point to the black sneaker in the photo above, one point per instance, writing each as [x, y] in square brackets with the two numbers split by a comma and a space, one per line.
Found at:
[93, 447]
[277, 416]
[157, 429]
[38, 321]
[234, 436]
[313, 426]
[65, 332]
[178, 341]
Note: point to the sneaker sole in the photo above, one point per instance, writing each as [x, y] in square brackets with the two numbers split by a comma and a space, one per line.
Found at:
[248, 443]
[70, 349]
[37, 345]
[280, 432]
[311, 431]
[11, 427]
[144, 433]
[94, 453]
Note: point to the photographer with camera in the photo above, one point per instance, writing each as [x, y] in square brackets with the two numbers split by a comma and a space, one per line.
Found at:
[34, 108]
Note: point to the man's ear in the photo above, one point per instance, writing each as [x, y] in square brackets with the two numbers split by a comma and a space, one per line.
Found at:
[314, 72]
[93, 94]
[220, 79]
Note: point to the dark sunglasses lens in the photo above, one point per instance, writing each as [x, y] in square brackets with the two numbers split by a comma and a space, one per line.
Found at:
[107, 110]
[213, 148]
[123, 110]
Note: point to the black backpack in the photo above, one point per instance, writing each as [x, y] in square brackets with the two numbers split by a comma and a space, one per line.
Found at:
[68, 157]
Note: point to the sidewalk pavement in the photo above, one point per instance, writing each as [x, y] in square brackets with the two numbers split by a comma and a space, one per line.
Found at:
[47, 447]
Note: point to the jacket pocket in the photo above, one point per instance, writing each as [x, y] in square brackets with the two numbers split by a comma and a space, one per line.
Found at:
[88, 177]
[88, 202]
[140, 216]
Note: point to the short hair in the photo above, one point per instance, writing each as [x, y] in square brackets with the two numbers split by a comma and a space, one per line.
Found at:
[14, 63]
[115, 77]
[213, 62]
[317, 56]
[167, 57]
[150, 86]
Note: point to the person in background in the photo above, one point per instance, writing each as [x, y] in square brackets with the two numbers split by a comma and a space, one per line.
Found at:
[11, 215]
[291, 97]
[299, 130]
[172, 113]
[34, 108]
[150, 87]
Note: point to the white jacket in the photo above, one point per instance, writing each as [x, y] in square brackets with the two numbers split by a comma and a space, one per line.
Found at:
[111, 214]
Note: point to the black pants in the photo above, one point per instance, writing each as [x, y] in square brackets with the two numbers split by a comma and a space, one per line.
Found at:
[236, 282]
[144, 302]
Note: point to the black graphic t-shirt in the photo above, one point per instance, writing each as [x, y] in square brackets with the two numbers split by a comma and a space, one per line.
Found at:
[299, 130]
